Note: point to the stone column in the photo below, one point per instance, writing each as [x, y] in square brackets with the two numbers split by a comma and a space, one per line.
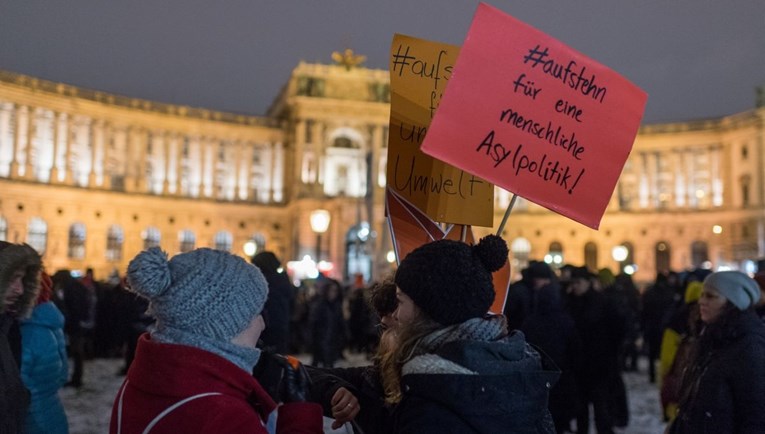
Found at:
[643, 182]
[179, 143]
[278, 182]
[93, 153]
[715, 156]
[57, 118]
[248, 150]
[107, 141]
[68, 137]
[17, 145]
[141, 142]
[678, 196]
[690, 176]
[29, 170]
[5, 126]
[129, 152]
[213, 167]
[202, 165]
[296, 167]
[167, 139]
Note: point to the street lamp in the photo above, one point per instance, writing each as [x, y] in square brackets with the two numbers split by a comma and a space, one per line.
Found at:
[250, 248]
[620, 254]
[319, 224]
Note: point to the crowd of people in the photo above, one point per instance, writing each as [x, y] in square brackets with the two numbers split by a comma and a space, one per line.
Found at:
[206, 338]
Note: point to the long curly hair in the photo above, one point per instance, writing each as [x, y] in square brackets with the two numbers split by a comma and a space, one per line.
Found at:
[408, 337]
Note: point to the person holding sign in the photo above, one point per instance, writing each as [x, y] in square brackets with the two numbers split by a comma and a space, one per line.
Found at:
[456, 369]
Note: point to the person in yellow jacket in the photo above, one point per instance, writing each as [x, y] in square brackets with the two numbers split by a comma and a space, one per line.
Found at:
[675, 344]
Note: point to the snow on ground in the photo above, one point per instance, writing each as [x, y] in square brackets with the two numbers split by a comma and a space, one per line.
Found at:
[89, 408]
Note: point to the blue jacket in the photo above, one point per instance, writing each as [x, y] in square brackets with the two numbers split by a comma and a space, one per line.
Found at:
[44, 369]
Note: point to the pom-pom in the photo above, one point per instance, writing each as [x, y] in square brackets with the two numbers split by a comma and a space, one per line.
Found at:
[148, 274]
[492, 251]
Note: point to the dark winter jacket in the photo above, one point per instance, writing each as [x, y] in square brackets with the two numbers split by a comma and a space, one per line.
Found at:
[723, 390]
[475, 383]
[278, 311]
[14, 397]
[364, 382]
[601, 328]
[44, 369]
[327, 329]
[552, 330]
[518, 304]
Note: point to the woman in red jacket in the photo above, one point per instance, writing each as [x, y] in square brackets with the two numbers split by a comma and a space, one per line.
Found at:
[191, 373]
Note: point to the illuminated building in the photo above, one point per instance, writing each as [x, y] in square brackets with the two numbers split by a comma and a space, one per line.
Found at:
[90, 178]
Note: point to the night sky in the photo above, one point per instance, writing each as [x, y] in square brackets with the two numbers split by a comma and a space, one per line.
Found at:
[694, 58]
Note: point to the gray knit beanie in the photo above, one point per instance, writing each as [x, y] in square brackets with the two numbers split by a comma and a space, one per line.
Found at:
[741, 290]
[205, 292]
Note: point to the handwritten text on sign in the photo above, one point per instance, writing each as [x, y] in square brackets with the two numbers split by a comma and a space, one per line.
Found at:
[419, 71]
[536, 117]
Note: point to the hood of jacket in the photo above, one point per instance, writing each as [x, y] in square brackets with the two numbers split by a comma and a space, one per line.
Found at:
[15, 257]
[45, 315]
[490, 384]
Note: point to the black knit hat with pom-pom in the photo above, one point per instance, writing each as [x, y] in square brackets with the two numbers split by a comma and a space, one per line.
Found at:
[451, 281]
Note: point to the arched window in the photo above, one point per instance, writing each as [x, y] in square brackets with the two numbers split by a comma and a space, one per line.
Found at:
[151, 237]
[114, 239]
[260, 242]
[357, 257]
[76, 249]
[3, 229]
[37, 234]
[554, 255]
[521, 248]
[662, 254]
[187, 240]
[630, 252]
[699, 254]
[223, 241]
[343, 142]
[591, 255]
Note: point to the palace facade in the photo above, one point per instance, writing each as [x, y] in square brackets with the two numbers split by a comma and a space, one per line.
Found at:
[89, 179]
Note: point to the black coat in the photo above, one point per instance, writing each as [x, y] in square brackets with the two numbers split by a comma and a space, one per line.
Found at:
[364, 382]
[14, 397]
[508, 395]
[278, 311]
[723, 391]
[518, 304]
[601, 328]
[552, 330]
[327, 330]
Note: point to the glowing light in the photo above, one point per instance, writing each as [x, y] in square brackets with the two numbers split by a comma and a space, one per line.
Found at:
[619, 253]
[630, 269]
[250, 248]
[717, 229]
[390, 256]
[320, 221]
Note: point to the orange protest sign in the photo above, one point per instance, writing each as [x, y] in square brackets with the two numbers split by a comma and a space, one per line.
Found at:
[536, 117]
[419, 71]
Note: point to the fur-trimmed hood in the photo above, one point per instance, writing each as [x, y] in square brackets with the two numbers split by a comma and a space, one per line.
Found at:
[15, 257]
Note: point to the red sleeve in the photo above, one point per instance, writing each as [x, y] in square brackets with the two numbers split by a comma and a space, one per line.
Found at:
[300, 418]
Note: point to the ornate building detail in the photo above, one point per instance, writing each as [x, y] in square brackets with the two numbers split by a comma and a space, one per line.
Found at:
[89, 179]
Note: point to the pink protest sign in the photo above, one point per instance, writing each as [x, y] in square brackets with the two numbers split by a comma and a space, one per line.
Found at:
[525, 112]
